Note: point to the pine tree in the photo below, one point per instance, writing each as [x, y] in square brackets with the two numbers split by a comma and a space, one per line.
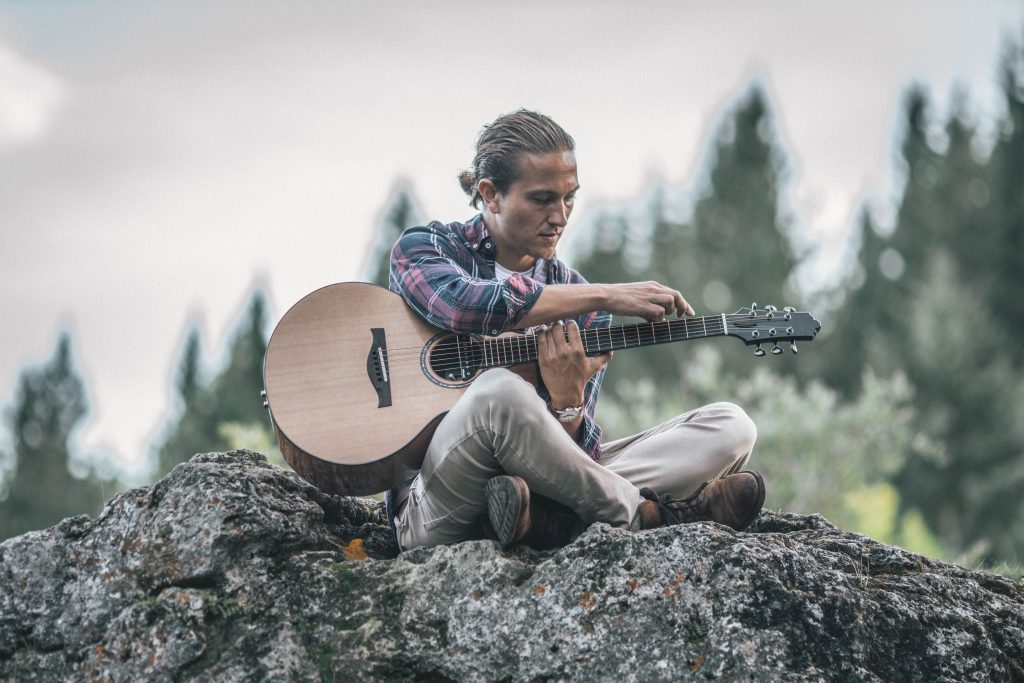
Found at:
[608, 259]
[1005, 193]
[50, 404]
[967, 363]
[742, 237]
[851, 334]
[401, 213]
[238, 386]
[926, 308]
[194, 430]
[212, 416]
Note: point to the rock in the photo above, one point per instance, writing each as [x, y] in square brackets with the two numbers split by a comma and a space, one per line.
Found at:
[233, 569]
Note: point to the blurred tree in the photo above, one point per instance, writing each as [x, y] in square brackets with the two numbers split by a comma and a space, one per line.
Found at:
[400, 213]
[1004, 263]
[194, 406]
[742, 238]
[228, 412]
[850, 334]
[925, 301]
[49, 405]
[607, 259]
[734, 250]
[963, 354]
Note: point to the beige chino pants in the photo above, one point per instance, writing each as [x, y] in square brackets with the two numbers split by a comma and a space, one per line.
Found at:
[501, 426]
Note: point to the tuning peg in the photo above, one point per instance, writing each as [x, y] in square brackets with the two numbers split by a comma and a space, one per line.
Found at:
[788, 311]
[776, 350]
[792, 347]
[759, 352]
[771, 310]
[753, 310]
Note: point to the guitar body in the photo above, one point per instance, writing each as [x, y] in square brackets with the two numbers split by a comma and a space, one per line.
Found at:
[322, 374]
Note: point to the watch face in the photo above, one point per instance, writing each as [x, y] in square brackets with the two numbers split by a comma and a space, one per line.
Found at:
[568, 414]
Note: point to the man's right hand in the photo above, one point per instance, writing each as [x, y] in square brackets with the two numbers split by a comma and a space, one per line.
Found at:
[649, 300]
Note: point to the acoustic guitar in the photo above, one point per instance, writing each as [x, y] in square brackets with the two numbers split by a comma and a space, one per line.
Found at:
[356, 382]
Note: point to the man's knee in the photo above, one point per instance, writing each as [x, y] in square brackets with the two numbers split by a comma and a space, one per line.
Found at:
[504, 395]
[738, 431]
[500, 384]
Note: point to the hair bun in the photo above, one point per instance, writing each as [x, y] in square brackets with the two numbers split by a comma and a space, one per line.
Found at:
[467, 179]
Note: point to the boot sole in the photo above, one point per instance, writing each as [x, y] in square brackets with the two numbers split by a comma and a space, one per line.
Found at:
[508, 502]
[760, 502]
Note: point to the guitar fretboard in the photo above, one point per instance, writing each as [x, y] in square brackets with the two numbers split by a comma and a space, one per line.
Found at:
[522, 348]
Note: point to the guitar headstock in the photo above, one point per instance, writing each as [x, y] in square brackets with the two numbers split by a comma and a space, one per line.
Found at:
[772, 326]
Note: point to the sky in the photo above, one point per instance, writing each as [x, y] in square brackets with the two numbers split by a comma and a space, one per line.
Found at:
[159, 160]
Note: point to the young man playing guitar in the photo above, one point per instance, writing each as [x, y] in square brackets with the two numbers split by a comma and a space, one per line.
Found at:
[528, 460]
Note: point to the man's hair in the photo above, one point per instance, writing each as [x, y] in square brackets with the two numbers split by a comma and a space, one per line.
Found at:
[500, 144]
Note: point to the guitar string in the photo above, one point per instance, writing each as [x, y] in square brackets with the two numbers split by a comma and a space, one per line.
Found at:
[685, 325]
[640, 335]
[648, 330]
[592, 337]
[507, 351]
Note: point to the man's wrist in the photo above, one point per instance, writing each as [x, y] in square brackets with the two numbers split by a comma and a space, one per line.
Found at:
[569, 413]
[561, 402]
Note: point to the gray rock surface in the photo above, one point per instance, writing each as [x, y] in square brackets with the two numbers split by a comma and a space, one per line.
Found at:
[233, 569]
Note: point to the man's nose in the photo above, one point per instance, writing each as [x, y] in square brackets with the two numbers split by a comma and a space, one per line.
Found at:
[559, 214]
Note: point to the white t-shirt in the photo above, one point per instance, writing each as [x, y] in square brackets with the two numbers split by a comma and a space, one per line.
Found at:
[539, 272]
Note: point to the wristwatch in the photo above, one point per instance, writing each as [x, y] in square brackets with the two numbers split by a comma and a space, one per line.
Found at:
[566, 414]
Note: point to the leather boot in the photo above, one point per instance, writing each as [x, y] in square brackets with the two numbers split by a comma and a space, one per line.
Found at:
[734, 500]
[515, 515]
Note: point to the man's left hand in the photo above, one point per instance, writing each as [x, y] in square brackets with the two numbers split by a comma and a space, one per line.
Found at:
[564, 365]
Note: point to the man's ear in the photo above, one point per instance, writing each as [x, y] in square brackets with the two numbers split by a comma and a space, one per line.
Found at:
[489, 193]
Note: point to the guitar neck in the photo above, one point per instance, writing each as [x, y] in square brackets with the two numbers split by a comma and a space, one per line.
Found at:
[504, 352]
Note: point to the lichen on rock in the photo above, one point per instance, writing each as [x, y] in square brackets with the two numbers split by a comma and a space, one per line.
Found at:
[231, 568]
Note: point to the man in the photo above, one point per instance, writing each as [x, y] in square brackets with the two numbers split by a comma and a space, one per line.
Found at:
[529, 461]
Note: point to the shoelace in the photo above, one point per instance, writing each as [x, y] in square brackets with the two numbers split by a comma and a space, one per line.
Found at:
[677, 511]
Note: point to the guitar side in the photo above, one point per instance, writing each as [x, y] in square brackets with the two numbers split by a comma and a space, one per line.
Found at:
[352, 409]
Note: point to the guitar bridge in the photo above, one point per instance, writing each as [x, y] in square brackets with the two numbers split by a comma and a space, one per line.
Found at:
[377, 367]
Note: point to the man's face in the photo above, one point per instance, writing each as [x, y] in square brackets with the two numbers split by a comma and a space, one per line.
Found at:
[528, 220]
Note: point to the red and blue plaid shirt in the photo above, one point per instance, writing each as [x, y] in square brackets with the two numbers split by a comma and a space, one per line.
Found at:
[446, 274]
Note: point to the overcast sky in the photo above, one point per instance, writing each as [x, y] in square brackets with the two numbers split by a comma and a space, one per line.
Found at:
[157, 160]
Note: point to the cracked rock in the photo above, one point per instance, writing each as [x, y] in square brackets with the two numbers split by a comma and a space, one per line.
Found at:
[231, 568]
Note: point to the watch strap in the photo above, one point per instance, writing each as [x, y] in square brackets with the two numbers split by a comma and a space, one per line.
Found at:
[566, 414]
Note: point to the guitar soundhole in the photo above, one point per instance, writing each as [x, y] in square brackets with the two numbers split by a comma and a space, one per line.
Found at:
[451, 360]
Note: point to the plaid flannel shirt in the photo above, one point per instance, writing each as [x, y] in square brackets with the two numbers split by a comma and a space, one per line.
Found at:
[446, 274]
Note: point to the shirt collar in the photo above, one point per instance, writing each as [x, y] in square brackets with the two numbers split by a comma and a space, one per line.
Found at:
[478, 237]
[476, 232]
